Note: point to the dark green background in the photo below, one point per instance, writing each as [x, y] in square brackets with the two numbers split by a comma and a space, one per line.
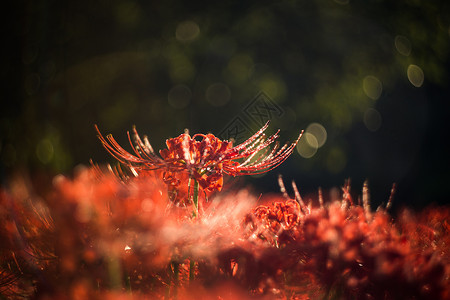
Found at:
[67, 65]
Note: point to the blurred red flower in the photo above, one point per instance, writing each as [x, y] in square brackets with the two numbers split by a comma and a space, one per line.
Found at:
[94, 237]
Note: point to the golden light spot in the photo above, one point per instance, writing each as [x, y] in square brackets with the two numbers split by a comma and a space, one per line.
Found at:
[319, 132]
[44, 151]
[179, 96]
[218, 94]
[415, 75]
[372, 87]
[403, 45]
[307, 146]
[372, 119]
[187, 31]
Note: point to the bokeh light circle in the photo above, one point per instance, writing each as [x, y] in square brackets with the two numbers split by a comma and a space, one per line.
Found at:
[415, 75]
[372, 87]
[318, 132]
[308, 145]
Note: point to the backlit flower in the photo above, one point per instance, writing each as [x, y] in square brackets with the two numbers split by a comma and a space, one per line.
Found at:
[204, 157]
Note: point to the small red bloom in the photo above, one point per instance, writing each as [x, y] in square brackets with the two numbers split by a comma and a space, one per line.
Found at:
[203, 156]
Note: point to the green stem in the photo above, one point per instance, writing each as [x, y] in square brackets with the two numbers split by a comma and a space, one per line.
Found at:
[195, 196]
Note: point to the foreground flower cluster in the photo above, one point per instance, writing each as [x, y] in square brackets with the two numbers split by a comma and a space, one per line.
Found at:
[97, 237]
[151, 229]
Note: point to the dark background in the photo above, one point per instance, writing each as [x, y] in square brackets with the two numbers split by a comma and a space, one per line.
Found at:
[374, 74]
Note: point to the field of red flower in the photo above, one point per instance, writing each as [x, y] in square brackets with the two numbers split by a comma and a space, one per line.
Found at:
[158, 228]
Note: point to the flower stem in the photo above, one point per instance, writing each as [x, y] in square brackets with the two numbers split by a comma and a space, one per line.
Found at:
[194, 196]
[195, 200]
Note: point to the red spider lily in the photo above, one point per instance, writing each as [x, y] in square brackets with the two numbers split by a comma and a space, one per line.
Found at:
[203, 156]
[346, 251]
[94, 237]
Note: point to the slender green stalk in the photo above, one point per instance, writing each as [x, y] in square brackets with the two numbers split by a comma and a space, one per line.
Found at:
[194, 195]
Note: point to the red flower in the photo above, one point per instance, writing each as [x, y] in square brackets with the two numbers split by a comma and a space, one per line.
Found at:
[203, 156]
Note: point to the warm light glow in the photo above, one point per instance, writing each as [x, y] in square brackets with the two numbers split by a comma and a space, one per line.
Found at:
[147, 205]
[83, 212]
[415, 75]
